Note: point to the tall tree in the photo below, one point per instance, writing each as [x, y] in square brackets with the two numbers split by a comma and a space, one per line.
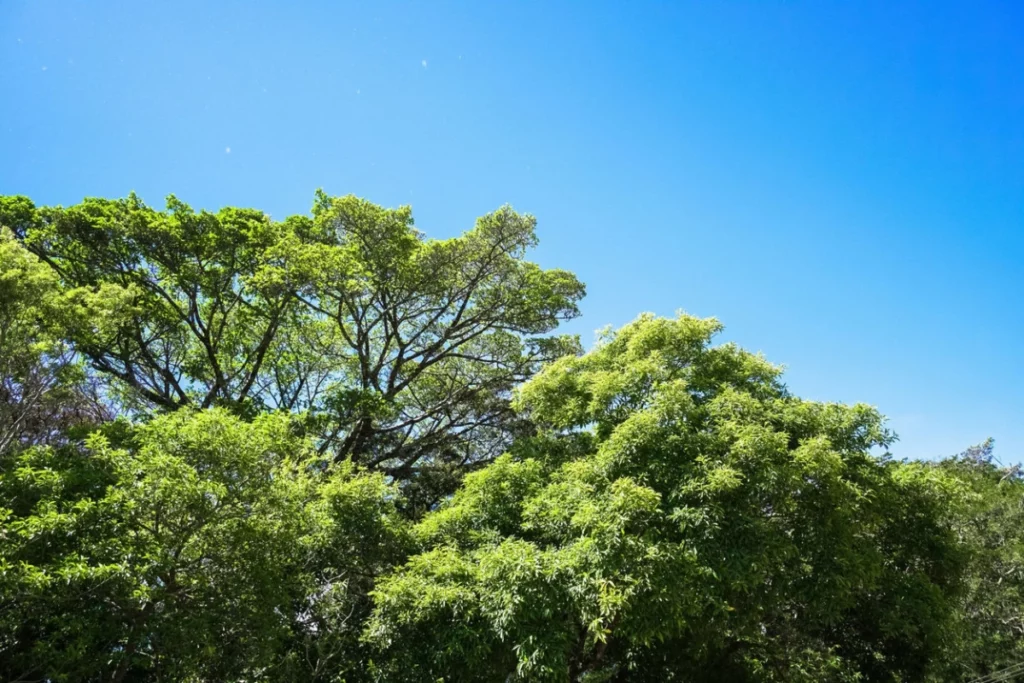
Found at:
[402, 350]
[435, 333]
[683, 517]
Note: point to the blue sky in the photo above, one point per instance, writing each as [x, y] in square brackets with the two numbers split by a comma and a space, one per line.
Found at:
[842, 184]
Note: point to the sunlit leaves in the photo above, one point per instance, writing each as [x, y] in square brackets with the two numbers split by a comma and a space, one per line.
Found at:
[197, 545]
[714, 523]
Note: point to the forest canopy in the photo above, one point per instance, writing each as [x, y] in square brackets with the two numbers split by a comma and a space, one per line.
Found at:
[329, 448]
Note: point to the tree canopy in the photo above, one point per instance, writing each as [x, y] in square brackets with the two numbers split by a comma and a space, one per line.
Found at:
[329, 448]
[400, 350]
[682, 517]
[196, 546]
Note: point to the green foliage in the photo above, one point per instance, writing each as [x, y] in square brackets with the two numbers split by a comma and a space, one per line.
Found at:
[195, 547]
[716, 528]
[402, 351]
[183, 307]
[437, 332]
[989, 633]
[330, 449]
[43, 391]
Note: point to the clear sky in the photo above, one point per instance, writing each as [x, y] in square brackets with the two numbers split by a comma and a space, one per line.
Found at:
[842, 184]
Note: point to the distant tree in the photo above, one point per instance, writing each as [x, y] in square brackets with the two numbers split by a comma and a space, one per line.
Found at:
[402, 350]
[682, 517]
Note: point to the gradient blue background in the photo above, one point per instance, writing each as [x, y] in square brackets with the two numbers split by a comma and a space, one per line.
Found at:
[842, 184]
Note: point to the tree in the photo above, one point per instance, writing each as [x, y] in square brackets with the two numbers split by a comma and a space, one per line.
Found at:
[402, 350]
[681, 517]
[435, 333]
[195, 547]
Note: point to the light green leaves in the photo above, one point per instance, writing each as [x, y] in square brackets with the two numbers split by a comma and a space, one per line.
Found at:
[198, 528]
[402, 351]
[43, 390]
[347, 451]
[714, 523]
